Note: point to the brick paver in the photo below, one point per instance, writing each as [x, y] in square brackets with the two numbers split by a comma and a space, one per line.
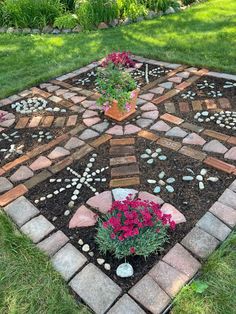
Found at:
[126, 305]
[225, 213]
[53, 243]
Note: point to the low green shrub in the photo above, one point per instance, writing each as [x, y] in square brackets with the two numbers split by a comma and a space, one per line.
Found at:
[159, 5]
[66, 21]
[69, 4]
[93, 12]
[131, 9]
[187, 2]
[31, 13]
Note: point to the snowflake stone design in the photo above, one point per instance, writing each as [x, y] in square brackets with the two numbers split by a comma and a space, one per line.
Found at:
[12, 151]
[201, 177]
[188, 95]
[229, 84]
[163, 182]
[79, 181]
[150, 156]
[206, 84]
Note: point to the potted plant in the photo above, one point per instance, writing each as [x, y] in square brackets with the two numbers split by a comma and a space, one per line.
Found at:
[118, 92]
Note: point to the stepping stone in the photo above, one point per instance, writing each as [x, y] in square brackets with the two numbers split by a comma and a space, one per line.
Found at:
[175, 79]
[151, 114]
[89, 114]
[7, 120]
[144, 123]
[5, 185]
[213, 226]
[21, 211]
[83, 217]
[95, 288]
[168, 278]
[231, 154]
[224, 213]
[102, 202]
[23, 173]
[140, 101]
[145, 196]
[77, 99]
[68, 260]
[115, 130]
[40, 163]
[179, 258]
[131, 129]
[53, 243]
[176, 132]
[73, 143]
[121, 194]
[88, 134]
[161, 126]
[126, 305]
[148, 107]
[148, 293]
[157, 90]
[101, 127]
[58, 152]
[184, 74]
[200, 243]
[228, 198]
[37, 228]
[88, 104]
[147, 96]
[91, 121]
[166, 85]
[194, 139]
[215, 146]
[176, 215]
[170, 107]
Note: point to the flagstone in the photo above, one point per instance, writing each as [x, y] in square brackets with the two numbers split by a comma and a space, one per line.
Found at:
[120, 194]
[88, 134]
[148, 106]
[91, 121]
[131, 129]
[166, 85]
[157, 90]
[83, 217]
[147, 96]
[40, 163]
[175, 79]
[144, 123]
[161, 126]
[115, 130]
[151, 114]
[176, 215]
[231, 154]
[23, 173]
[194, 139]
[89, 114]
[5, 185]
[58, 152]
[176, 132]
[101, 127]
[215, 146]
[145, 196]
[102, 202]
[73, 143]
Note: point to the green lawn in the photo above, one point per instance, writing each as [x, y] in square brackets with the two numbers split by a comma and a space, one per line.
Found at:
[28, 283]
[219, 273]
[204, 35]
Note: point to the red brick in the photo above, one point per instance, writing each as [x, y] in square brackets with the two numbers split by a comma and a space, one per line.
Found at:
[224, 103]
[22, 123]
[232, 140]
[66, 104]
[127, 170]
[183, 85]
[123, 141]
[122, 160]
[165, 97]
[193, 153]
[202, 72]
[114, 183]
[197, 105]
[83, 151]
[59, 122]
[217, 135]
[72, 120]
[13, 194]
[120, 151]
[40, 92]
[47, 121]
[34, 122]
[148, 135]
[168, 143]
[101, 140]
[220, 165]
[1, 172]
[61, 165]
[171, 118]
[184, 107]
[15, 163]
[210, 104]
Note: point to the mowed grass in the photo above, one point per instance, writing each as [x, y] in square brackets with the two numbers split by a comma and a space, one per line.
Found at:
[28, 283]
[204, 35]
[219, 273]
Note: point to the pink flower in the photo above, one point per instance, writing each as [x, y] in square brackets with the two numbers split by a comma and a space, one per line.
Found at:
[113, 235]
[132, 250]
[127, 107]
[133, 94]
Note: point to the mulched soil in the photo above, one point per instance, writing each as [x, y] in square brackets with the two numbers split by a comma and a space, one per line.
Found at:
[192, 202]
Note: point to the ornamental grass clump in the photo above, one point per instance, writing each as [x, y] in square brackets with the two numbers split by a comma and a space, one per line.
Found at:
[133, 227]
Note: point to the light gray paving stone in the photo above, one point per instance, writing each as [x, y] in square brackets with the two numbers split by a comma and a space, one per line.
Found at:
[168, 278]
[179, 258]
[5, 185]
[126, 305]
[222, 75]
[167, 85]
[200, 243]
[176, 132]
[95, 288]
[228, 198]
[215, 146]
[144, 123]
[224, 213]
[68, 260]
[87, 134]
[214, 226]
[150, 295]
[233, 186]
[37, 228]
[23, 173]
[21, 211]
[53, 243]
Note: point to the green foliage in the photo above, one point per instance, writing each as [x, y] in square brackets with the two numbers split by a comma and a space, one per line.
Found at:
[69, 4]
[187, 2]
[93, 12]
[199, 286]
[131, 9]
[66, 21]
[113, 83]
[30, 13]
[159, 5]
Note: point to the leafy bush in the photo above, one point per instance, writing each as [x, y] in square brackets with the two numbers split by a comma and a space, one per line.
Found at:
[133, 227]
[31, 13]
[187, 2]
[93, 12]
[66, 21]
[69, 4]
[131, 9]
[119, 59]
[113, 83]
[159, 5]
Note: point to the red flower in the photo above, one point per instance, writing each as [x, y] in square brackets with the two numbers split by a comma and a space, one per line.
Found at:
[132, 250]
[113, 235]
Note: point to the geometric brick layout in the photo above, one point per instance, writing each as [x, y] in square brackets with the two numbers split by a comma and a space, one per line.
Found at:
[176, 111]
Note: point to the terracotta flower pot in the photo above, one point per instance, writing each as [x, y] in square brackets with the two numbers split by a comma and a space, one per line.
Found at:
[115, 113]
